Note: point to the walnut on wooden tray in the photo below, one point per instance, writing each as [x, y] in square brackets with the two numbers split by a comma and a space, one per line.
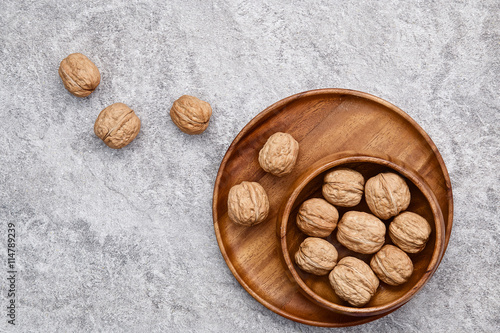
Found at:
[316, 256]
[279, 154]
[247, 204]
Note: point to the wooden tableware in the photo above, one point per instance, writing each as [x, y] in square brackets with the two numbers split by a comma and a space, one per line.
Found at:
[324, 122]
[318, 288]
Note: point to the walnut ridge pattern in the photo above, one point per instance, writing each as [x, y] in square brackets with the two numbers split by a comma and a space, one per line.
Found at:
[316, 256]
[343, 187]
[410, 232]
[361, 232]
[117, 125]
[247, 204]
[353, 281]
[392, 265]
[80, 76]
[317, 218]
[387, 194]
[191, 114]
[279, 154]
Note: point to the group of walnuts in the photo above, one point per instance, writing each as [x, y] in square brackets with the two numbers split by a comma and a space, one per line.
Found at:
[247, 202]
[118, 125]
[387, 196]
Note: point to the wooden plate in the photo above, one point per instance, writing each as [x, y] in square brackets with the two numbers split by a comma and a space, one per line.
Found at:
[324, 122]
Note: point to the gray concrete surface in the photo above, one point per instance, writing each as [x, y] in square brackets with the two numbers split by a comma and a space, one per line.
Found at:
[122, 241]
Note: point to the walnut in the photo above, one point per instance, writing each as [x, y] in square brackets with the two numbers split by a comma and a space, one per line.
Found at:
[117, 125]
[248, 204]
[316, 256]
[387, 195]
[343, 187]
[316, 217]
[410, 232]
[191, 114]
[79, 75]
[279, 154]
[392, 265]
[353, 281]
[361, 232]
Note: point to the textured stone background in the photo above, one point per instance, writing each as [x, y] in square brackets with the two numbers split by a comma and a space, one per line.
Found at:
[123, 240]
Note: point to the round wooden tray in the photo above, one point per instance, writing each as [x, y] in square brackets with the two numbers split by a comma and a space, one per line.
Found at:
[324, 122]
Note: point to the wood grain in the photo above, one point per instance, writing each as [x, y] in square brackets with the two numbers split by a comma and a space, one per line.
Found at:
[324, 122]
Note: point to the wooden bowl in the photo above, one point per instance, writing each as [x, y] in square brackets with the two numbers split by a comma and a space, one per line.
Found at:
[317, 288]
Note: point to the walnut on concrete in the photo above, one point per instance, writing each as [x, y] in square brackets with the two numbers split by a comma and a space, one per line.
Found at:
[80, 76]
[117, 125]
[361, 232]
[247, 203]
[279, 154]
[387, 194]
[343, 187]
[316, 256]
[392, 265]
[410, 232]
[317, 218]
[353, 281]
[191, 114]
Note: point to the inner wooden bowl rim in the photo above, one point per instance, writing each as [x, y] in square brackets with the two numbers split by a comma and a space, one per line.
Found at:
[335, 160]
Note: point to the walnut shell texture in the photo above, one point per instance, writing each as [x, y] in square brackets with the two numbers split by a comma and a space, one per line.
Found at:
[316, 256]
[248, 204]
[387, 194]
[392, 265]
[317, 218]
[353, 281]
[361, 232]
[80, 76]
[343, 187]
[279, 154]
[410, 232]
[191, 114]
[117, 125]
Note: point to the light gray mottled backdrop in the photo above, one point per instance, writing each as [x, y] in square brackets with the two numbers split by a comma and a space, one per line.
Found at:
[122, 241]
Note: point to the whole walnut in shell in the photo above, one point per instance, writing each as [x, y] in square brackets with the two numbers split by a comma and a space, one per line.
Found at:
[353, 281]
[392, 265]
[248, 204]
[117, 125]
[387, 194]
[279, 154]
[343, 187]
[79, 75]
[191, 114]
[317, 218]
[316, 256]
[361, 232]
[410, 232]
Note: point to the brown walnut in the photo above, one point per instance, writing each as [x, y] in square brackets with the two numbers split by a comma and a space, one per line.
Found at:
[279, 154]
[410, 232]
[191, 114]
[343, 187]
[317, 218]
[248, 204]
[361, 232]
[117, 125]
[316, 256]
[387, 194]
[353, 281]
[79, 75]
[392, 265]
